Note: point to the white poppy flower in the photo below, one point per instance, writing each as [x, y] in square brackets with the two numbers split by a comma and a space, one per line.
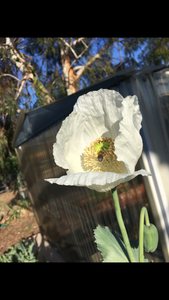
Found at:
[99, 142]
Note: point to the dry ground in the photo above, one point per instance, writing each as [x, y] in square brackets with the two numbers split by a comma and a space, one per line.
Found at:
[19, 228]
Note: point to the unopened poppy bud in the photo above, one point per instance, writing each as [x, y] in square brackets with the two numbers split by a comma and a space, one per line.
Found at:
[150, 238]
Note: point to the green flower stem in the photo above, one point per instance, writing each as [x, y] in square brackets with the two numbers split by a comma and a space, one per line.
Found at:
[11, 209]
[143, 214]
[121, 224]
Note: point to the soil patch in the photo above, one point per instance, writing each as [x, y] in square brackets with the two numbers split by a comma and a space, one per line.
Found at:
[20, 228]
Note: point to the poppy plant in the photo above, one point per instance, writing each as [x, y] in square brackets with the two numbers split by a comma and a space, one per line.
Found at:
[99, 144]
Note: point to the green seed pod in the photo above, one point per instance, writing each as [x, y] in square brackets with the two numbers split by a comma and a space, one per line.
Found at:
[150, 238]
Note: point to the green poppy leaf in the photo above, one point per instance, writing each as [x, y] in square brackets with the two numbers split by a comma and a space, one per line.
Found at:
[109, 244]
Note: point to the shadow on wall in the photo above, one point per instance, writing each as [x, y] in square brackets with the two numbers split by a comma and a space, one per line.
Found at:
[48, 251]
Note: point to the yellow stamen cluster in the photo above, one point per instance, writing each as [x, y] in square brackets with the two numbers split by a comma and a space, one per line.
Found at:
[90, 162]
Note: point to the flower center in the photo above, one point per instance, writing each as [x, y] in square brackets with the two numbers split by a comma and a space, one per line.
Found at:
[100, 157]
[101, 146]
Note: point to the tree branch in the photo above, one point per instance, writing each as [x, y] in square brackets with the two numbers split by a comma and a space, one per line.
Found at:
[10, 76]
[70, 41]
[21, 87]
[86, 48]
[26, 46]
[77, 68]
[91, 61]
[16, 41]
[74, 53]
[84, 44]
[77, 41]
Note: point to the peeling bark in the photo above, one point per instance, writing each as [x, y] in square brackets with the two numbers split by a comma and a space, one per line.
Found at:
[68, 74]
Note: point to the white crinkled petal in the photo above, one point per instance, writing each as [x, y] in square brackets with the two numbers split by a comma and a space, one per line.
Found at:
[100, 102]
[108, 103]
[95, 114]
[77, 132]
[128, 144]
[70, 142]
[98, 181]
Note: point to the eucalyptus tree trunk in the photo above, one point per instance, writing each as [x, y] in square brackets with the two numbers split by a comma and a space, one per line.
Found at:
[68, 74]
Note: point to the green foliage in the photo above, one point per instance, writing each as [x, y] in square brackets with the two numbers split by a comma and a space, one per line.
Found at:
[12, 165]
[111, 247]
[10, 170]
[8, 111]
[40, 98]
[11, 209]
[21, 253]
[155, 51]
[150, 238]
[14, 213]
[25, 203]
